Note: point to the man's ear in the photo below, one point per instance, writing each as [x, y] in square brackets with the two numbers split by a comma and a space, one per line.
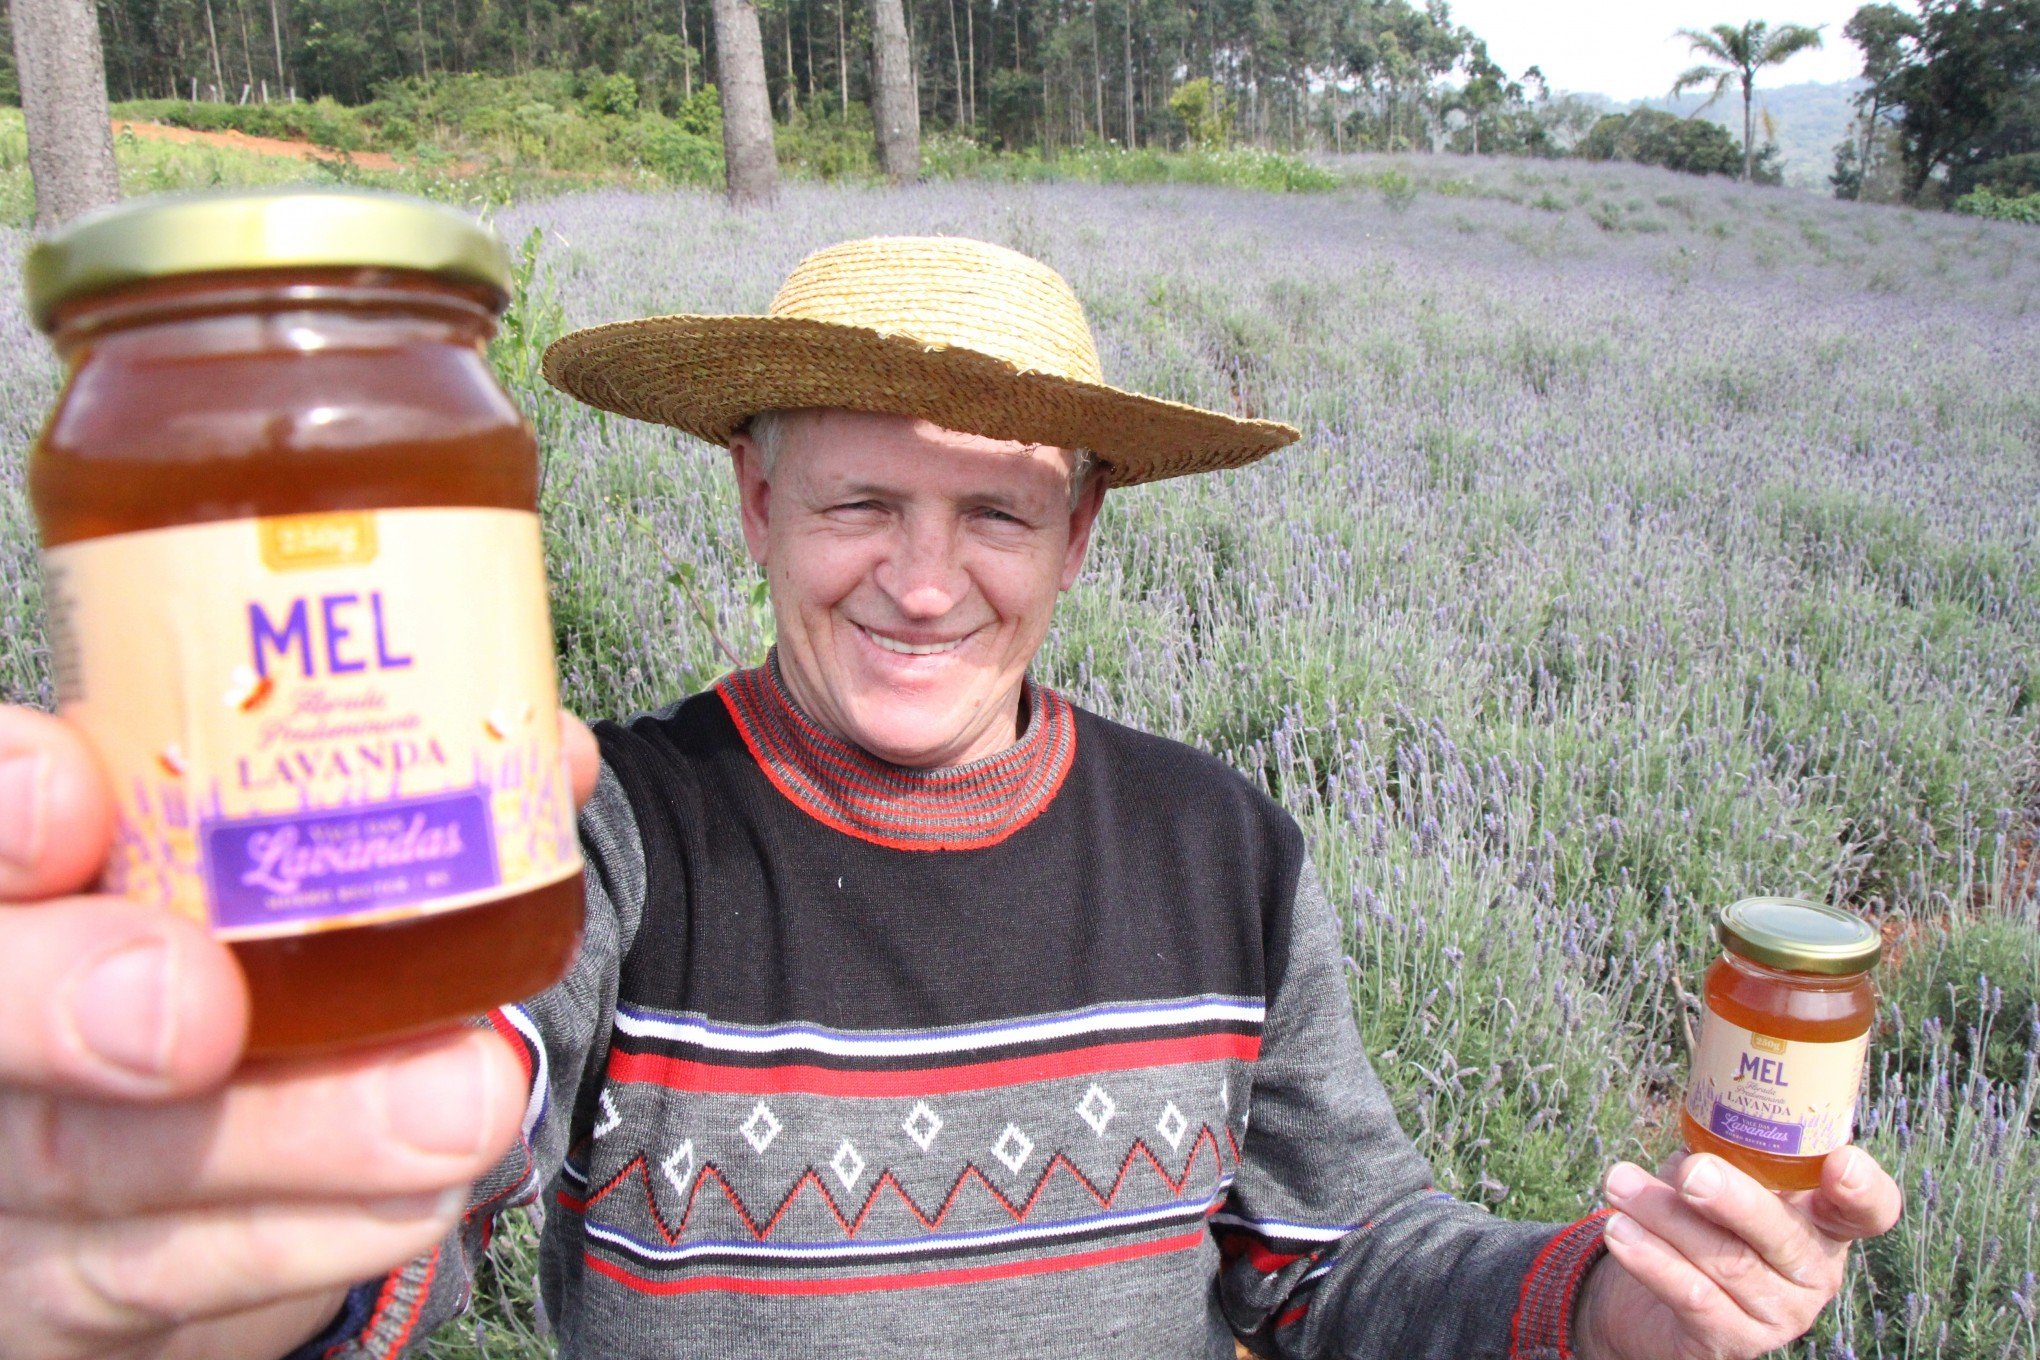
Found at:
[1083, 517]
[754, 493]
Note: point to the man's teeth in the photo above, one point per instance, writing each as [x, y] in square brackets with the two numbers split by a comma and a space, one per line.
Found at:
[912, 649]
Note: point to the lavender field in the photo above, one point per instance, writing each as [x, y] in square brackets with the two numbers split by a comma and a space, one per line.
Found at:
[1652, 542]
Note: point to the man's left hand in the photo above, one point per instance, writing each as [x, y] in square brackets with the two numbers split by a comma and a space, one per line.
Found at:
[1706, 1264]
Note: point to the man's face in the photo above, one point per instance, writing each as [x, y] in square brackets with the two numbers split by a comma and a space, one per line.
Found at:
[913, 572]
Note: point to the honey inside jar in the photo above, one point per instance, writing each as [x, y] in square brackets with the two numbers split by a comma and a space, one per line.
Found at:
[297, 602]
[1788, 1011]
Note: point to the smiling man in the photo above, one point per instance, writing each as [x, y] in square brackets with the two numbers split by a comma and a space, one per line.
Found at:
[919, 1012]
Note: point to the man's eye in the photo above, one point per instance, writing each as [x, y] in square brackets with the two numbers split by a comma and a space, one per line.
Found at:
[999, 516]
[857, 505]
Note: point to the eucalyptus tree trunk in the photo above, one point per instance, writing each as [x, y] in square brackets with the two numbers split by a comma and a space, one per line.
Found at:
[748, 157]
[212, 38]
[276, 35]
[1128, 50]
[63, 100]
[895, 109]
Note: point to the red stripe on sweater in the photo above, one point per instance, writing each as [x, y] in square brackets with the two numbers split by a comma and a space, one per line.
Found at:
[680, 1074]
[500, 1023]
[1268, 1262]
[1542, 1324]
[861, 1284]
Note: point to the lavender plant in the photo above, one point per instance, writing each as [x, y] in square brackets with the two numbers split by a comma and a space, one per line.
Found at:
[1652, 542]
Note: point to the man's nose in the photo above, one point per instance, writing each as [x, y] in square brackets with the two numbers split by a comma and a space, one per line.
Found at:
[924, 574]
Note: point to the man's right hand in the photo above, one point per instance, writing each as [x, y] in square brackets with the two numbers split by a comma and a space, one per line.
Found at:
[154, 1200]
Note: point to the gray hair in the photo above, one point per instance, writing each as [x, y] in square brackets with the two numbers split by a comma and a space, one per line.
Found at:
[767, 430]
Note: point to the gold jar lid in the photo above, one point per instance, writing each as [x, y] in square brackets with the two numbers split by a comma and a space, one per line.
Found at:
[1800, 936]
[171, 234]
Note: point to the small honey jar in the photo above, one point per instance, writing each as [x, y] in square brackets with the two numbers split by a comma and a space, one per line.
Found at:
[297, 600]
[1780, 1062]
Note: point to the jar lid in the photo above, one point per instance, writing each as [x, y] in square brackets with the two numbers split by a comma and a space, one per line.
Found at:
[1800, 936]
[170, 234]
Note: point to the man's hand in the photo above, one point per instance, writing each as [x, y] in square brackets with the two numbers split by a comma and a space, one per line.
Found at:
[154, 1201]
[1706, 1264]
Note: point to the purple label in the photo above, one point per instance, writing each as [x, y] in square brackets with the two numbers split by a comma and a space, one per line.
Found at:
[1765, 1135]
[309, 866]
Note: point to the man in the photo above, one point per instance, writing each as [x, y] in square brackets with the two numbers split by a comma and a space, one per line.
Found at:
[919, 1012]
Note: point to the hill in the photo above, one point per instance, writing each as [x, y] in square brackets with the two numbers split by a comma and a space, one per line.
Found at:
[1808, 119]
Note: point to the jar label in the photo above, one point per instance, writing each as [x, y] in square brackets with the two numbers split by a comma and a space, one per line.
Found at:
[319, 720]
[1789, 1097]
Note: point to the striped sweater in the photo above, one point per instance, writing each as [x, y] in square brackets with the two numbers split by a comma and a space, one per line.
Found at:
[1051, 1055]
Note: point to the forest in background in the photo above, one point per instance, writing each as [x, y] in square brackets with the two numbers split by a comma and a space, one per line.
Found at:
[1947, 110]
[1344, 74]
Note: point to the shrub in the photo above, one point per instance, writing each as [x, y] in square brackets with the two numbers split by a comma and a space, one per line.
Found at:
[828, 143]
[1200, 107]
[1654, 137]
[2002, 208]
[675, 154]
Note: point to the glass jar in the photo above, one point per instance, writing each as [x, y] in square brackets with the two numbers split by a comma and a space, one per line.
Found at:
[297, 600]
[1788, 1008]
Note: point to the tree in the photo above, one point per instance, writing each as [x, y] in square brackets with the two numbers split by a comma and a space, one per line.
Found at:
[1968, 92]
[751, 162]
[63, 102]
[1737, 55]
[1886, 34]
[1695, 146]
[895, 106]
[1200, 108]
[1487, 88]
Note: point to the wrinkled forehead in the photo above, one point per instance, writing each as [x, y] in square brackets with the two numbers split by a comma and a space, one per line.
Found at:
[832, 443]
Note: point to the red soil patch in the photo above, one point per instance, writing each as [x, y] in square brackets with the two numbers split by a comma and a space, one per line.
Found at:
[261, 146]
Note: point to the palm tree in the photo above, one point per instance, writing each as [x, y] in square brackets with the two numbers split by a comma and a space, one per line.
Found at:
[1738, 54]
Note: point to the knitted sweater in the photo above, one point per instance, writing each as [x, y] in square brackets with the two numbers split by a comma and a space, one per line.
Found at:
[1051, 1056]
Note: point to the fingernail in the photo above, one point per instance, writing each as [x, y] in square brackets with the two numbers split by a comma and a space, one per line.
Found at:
[435, 1101]
[1703, 1179]
[1855, 1170]
[401, 1208]
[1621, 1227]
[1625, 1181]
[21, 809]
[120, 1008]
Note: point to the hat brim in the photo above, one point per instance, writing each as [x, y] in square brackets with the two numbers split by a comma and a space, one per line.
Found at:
[707, 375]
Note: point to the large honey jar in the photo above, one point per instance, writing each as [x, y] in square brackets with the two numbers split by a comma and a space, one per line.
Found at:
[1779, 1066]
[296, 600]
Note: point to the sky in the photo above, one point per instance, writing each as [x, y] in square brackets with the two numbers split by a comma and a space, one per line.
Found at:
[1625, 48]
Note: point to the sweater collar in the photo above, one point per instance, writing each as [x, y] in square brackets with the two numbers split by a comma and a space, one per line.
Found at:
[961, 807]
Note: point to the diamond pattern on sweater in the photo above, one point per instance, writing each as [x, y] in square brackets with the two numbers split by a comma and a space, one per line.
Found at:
[1013, 1148]
[1172, 1125]
[611, 1117]
[761, 1128]
[848, 1164]
[1097, 1108]
[922, 1124]
[679, 1167]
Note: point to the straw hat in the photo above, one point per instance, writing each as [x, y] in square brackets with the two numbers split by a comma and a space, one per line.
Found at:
[971, 336]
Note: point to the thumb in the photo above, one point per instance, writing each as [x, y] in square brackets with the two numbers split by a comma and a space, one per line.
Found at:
[56, 814]
[583, 755]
